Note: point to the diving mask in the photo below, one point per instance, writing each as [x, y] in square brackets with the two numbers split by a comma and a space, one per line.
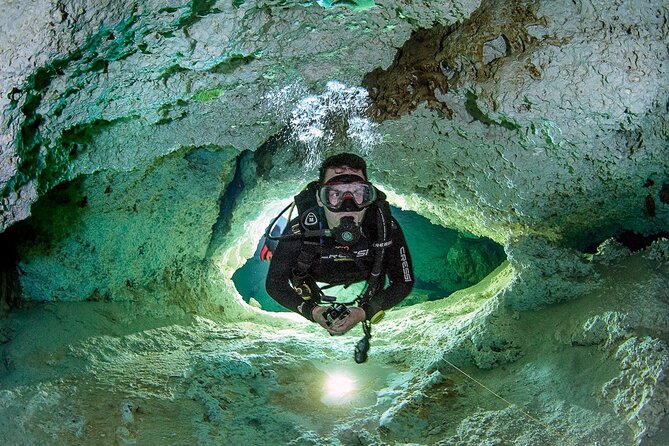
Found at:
[347, 193]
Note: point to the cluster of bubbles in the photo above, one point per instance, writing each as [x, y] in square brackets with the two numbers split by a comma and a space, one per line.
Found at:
[316, 121]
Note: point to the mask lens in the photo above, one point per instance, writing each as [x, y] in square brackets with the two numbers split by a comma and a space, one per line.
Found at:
[334, 195]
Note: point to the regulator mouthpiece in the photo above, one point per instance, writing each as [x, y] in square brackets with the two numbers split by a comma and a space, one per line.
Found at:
[348, 232]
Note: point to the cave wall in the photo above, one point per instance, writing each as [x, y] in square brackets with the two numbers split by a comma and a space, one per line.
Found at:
[560, 131]
[125, 235]
[542, 125]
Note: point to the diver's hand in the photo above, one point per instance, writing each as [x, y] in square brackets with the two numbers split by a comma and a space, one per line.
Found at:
[341, 326]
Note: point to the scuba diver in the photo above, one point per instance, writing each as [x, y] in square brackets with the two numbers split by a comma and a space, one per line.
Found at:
[343, 234]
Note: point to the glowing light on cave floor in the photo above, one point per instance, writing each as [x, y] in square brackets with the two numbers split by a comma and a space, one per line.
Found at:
[353, 385]
[339, 388]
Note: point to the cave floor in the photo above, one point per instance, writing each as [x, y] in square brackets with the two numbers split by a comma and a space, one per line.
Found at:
[98, 373]
[462, 372]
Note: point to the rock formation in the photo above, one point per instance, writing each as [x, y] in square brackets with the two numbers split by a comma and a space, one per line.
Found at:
[146, 144]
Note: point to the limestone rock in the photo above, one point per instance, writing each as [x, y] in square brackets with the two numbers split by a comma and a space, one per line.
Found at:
[641, 392]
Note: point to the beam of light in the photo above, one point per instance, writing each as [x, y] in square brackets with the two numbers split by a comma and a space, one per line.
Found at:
[339, 388]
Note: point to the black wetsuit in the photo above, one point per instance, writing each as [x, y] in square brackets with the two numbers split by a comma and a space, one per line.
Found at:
[338, 264]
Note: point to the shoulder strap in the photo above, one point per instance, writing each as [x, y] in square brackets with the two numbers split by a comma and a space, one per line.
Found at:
[309, 213]
[384, 225]
[306, 199]
[309, 225]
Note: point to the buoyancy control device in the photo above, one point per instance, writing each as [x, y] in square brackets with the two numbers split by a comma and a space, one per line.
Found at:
[311, 227]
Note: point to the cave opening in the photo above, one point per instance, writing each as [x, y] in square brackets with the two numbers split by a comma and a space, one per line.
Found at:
[444, 260]
[630, 239]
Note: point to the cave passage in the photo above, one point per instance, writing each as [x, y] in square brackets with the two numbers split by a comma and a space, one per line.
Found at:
[146, 145]
[444, 261]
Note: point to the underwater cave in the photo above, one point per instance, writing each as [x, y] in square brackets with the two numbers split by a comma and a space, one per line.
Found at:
[521, 145]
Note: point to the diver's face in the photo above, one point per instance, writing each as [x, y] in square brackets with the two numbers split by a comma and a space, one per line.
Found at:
[333, 218]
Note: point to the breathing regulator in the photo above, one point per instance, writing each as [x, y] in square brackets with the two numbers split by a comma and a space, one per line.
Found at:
[348, 232]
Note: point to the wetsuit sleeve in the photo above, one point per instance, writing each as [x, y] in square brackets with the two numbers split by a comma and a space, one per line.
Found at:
[400, 275]
[278, 284]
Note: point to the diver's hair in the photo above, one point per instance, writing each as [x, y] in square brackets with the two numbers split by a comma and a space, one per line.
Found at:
[343, 159]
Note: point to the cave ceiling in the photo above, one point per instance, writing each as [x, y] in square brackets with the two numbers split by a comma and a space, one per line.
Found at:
[499, 119]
